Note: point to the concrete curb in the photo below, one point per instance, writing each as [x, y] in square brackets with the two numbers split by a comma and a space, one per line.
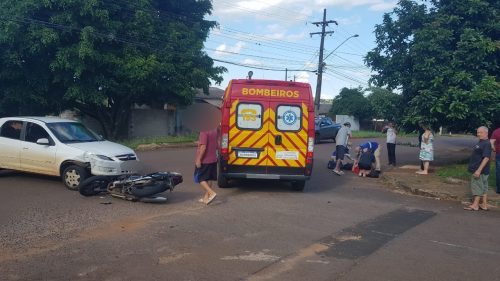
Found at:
[395, 184]
[155, 146]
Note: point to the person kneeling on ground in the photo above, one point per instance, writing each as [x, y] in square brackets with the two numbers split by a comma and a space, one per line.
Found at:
[365, 161]
[374, 148]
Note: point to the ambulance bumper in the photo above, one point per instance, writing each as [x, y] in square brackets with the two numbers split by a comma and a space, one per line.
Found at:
[266, 176]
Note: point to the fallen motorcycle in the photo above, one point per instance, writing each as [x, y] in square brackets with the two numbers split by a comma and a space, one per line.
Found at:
[132, 187]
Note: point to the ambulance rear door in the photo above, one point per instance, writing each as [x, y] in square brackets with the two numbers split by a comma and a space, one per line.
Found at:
[248, 135]
[288, 131]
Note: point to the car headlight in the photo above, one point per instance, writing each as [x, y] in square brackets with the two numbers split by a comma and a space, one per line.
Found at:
[87, 156]
[103, 157]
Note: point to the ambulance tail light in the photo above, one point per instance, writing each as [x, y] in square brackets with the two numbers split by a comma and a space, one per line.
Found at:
[310, 150]
[225, 146]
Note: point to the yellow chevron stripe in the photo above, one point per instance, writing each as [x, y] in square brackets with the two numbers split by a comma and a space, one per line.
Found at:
[287, 146]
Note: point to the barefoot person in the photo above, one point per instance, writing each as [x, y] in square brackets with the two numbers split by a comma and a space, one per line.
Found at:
[479, 166]
[206, 164]
[426, 150]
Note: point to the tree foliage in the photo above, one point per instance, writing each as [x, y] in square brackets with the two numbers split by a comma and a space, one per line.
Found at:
[102, 56]
[352, 102]
[384, 103]
[443, 57]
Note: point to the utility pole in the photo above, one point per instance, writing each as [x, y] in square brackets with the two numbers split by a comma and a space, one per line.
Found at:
[323, 24]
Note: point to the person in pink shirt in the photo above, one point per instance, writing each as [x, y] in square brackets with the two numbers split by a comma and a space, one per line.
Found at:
[495, 146]
[206, 163]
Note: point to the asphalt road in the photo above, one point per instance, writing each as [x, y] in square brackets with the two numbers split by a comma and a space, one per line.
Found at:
[340, 228]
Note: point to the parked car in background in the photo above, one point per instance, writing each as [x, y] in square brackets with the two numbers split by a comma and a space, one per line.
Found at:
[60, 147]
[325, 129]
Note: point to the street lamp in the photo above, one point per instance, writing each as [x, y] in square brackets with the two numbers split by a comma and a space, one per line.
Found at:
[320, 70]
[355, 35]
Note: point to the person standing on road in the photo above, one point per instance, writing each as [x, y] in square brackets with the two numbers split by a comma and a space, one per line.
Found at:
[495, 146]
[479, 166]
[426, 150]
[206, 164]
[391, 143]
[341, 141]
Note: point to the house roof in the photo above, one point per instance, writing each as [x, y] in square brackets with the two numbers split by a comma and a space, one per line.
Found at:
[324, 108]
[214, 96]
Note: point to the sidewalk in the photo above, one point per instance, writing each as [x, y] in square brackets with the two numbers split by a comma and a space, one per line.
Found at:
[448, 150]
[404, 179]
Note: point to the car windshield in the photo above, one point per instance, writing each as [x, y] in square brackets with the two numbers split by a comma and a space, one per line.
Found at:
[70, 132]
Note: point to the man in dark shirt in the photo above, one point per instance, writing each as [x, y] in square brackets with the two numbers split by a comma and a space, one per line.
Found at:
[479, 166]
[495, 145]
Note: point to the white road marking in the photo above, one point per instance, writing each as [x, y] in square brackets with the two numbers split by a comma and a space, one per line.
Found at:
[465, 247]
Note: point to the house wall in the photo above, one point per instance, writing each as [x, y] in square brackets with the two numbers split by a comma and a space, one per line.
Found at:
[198, 116]
[149, 123]
[346, 118]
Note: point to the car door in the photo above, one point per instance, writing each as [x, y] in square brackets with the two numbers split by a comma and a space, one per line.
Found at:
[328, 128]
[38, 158]
[10, 144]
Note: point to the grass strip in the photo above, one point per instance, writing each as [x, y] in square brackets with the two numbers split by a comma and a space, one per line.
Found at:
[134, 143]
[459, 171]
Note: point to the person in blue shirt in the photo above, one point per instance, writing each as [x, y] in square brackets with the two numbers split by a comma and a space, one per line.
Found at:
[374, 148]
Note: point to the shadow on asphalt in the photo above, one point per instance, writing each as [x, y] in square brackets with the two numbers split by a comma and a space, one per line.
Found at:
[262, 186]
[29, 177]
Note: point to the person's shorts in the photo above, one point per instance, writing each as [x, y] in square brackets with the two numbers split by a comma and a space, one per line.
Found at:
[340, 152]
[207, 172]
[479, 187]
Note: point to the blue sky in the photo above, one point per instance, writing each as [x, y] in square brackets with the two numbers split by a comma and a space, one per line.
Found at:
[275, 34]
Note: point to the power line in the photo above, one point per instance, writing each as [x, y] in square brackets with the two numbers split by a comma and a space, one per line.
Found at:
[261, 67]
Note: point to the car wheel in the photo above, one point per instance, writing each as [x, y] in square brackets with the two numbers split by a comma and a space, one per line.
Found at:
[316, 138]
[298, 185]
[73, 176]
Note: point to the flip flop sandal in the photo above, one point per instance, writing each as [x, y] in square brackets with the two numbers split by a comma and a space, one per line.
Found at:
[201, 200]
[484, 209]
[470, 209]
[211, 198]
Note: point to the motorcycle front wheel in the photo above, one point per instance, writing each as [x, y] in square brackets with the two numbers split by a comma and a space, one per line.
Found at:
[94, 185]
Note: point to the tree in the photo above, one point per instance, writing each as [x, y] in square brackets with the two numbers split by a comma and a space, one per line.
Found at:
[102, 57]
[443, 56]
[352, 102]
[384, 103]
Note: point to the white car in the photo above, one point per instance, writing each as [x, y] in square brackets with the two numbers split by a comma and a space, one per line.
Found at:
[60, 147]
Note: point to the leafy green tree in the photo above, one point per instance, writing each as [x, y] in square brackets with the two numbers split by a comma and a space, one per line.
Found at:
[352, 102]
[384, 103]
[103, 56]
[443, 57]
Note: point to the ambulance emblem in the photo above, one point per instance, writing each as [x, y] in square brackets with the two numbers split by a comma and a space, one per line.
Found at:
[289, 117]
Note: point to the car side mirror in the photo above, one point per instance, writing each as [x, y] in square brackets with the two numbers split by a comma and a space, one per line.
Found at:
[43, 141]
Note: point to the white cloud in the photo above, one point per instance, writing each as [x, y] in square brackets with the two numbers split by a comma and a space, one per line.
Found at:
[224, 50]
[310, 64]
[288, 37]
[349, 21]
[251, 62]
[374, 5]
[302, 77]
[383, 6]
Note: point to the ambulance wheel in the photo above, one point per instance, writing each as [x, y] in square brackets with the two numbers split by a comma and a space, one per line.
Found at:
[222, 181]
[298, 185]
